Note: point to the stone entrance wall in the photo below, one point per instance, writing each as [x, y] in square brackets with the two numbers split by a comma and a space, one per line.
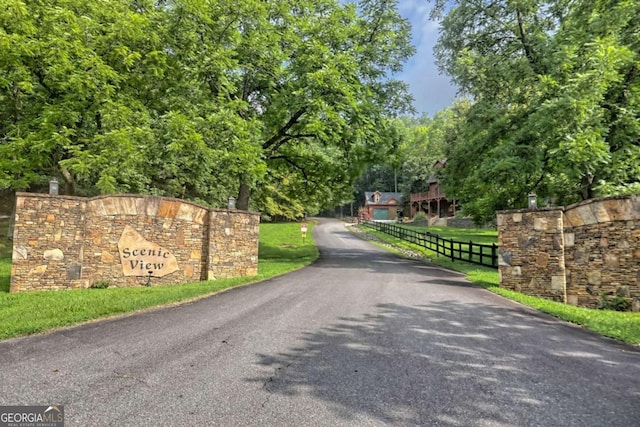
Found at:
[63, 242]
[575, 254]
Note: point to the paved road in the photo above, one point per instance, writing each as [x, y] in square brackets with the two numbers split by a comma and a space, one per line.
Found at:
[361, 338]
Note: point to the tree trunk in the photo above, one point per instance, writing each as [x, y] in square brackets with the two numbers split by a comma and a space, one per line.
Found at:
[243, 197]
[69, 183]
[587, 186]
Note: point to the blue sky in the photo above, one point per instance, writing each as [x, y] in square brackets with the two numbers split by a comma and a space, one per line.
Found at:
[431, 90]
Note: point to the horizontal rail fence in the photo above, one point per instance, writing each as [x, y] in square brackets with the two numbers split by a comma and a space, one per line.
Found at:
[475, 253]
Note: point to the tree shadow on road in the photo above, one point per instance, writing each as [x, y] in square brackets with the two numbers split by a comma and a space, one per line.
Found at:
[450, 363]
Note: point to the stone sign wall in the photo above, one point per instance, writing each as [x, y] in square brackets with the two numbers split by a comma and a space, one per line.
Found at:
[63, 242]
[576, 254]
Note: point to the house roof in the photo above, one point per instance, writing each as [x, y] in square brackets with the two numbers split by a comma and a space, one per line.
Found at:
[385, 197]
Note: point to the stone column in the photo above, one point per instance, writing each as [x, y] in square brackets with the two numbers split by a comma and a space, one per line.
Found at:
[531, 256]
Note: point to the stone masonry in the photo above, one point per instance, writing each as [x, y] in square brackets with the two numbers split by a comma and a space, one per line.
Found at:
[576, 254]
[531, 257]
[64, 242]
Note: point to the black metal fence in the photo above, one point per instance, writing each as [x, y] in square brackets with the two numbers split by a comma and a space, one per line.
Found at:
[475, 253]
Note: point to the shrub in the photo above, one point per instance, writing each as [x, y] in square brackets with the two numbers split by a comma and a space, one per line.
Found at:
[420, 216]
[615, 302]
[101, 284]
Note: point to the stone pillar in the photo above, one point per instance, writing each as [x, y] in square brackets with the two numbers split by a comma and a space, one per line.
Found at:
[233, 244]
[48, 243]
[531, 256]
[602, 250]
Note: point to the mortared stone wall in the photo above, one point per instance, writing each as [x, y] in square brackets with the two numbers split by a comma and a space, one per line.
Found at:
[64, 242]
[576, 254]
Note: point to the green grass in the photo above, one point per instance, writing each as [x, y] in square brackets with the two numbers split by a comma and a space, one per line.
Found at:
[281, 250]
[477, 245]
[624, 326]
[483, 236]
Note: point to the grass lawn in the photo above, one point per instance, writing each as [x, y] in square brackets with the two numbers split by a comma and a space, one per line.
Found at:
[485, 236]
[477, 245]
[624, 326]
[281, 250]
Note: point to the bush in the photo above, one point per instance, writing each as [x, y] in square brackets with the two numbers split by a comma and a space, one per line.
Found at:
[101, 284]
[420, 216]
[616, 303]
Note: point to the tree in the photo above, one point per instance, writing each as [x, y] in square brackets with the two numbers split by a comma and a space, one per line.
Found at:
[290, 96]
[554, 86]
[322, 118]
[426, 143]
[199, 99]
[66, 108]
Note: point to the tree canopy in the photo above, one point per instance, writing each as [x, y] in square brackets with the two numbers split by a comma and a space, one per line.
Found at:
[556, 100]
[281, 103]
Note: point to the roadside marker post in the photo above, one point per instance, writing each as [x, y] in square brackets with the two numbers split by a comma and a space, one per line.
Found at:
[303, 230]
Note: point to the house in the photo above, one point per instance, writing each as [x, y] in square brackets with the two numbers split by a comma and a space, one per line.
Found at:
[434, 202]
[381, 205]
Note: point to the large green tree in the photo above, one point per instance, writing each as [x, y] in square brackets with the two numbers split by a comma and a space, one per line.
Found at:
[66, 104]
[202, 99]
[426, 142]
[555, 89]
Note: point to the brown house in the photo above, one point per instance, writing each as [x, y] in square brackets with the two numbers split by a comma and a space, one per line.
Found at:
[434, 202]
[381, 206]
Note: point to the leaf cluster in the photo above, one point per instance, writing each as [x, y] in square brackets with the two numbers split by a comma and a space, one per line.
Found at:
[556, 95]
[199, 99]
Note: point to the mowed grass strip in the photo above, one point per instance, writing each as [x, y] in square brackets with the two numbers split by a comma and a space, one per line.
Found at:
[474, 245]
[624, 326]
[485, 236]
[281, 251]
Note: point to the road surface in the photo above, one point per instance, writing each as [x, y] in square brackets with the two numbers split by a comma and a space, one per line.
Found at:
[360, 338]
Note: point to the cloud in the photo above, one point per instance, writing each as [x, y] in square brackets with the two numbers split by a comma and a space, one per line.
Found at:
[431, 90]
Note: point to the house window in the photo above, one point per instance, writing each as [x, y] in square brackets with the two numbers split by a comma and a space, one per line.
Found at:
[376, 197]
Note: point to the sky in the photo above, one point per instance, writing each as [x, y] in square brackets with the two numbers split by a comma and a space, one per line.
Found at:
[431, 90]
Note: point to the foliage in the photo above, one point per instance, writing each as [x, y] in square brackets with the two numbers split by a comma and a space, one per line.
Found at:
[278, 102]
[101, 284]
[614, 302]
[556, 97]
[426, 143]
[418, 143]
[420, 217]
[281, 250]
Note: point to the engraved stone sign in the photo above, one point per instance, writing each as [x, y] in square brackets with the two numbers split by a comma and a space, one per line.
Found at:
[140, 257]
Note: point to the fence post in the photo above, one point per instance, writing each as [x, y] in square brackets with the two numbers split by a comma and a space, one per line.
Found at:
[451, 249]
[494, 258]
